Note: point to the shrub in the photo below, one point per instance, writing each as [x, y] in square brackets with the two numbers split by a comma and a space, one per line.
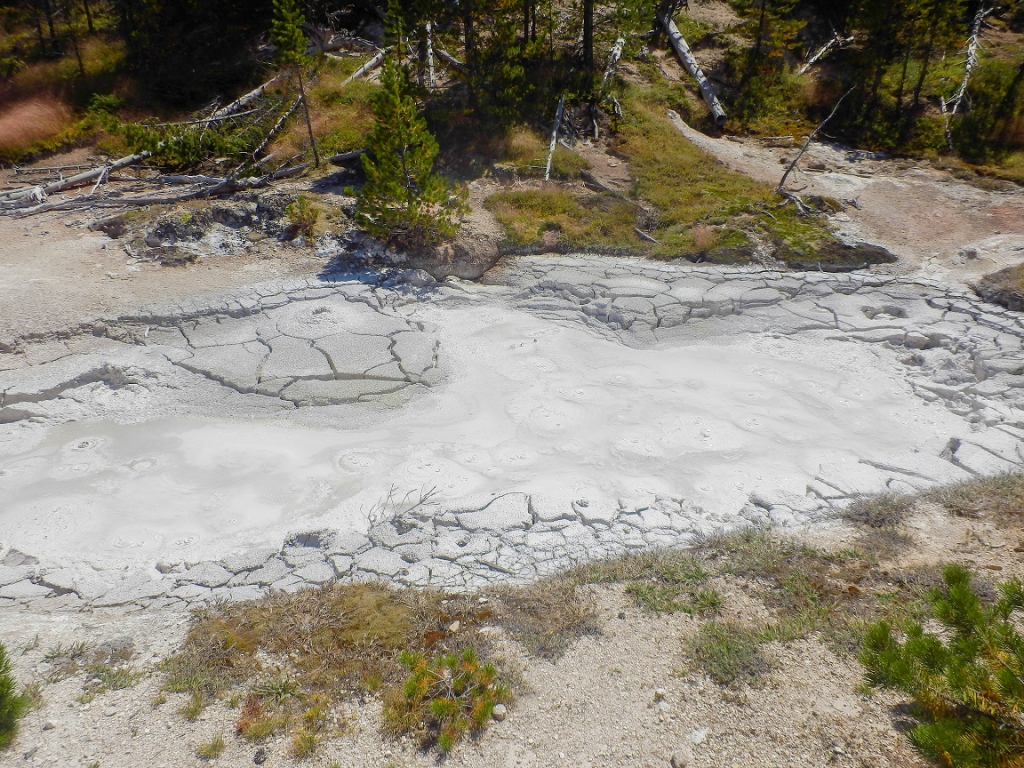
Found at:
[303, 216]
[445, 697]
[12, 704]
[967, 682]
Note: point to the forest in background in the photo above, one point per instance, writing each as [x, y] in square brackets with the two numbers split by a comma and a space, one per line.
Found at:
[905, 60]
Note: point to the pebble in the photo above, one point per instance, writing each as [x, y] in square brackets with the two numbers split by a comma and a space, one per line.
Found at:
[110, 711]
[500, 712]
[680, 759]
[49, 725]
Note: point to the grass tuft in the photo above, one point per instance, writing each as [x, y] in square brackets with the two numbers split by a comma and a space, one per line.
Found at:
[212, 749]
[730, 653]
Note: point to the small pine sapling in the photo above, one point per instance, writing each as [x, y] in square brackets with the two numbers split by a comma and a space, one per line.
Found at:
[967, 682]
[12, 704]
[446, 697]
[403, 200]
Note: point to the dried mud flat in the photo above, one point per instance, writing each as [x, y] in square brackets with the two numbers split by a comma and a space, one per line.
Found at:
[567, 409]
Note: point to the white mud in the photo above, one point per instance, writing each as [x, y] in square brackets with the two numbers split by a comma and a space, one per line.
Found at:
[452, 434]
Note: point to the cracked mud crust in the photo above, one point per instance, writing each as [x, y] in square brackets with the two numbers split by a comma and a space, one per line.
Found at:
[305, 431]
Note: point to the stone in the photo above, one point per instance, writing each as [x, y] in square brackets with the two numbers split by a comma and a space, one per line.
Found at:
[207, 574]
[316, 573]
[596, 511]
[49, 725]
[500, 712]
[511, 510]
[12, 575]
[24, 590]
[274, 570]
[681, 758]
[383, 562]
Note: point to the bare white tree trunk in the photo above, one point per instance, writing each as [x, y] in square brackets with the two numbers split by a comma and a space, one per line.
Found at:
[240, 103]
[369, 66]
[554, 137]
[834, 43]
[430, 55]
[613, 61]
[973, 44]
[686, 57]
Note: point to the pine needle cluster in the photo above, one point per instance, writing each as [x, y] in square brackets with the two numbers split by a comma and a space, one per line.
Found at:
[967, 681]
[445, 697]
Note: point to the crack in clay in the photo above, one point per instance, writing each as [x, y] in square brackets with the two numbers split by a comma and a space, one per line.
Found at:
[589, 406]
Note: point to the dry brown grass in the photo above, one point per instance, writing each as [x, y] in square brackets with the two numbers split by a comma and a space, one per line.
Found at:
[32, 120]
[704, 237]
[1000, 497]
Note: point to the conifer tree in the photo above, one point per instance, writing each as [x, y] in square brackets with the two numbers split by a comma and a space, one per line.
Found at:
[290, 46]
[967, 682]
[12, 704]
[403, 200]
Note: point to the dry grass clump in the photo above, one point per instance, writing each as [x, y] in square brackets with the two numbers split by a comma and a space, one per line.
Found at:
[546, 617]
[999, 496]
[704, 237]
[32, 120]
[879, 511]
[527, 151]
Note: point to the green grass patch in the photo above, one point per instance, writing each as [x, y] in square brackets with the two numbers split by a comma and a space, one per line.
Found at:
[559, 216]
[730, 653]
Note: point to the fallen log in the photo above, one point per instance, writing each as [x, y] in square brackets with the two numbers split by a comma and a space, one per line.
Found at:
[344, 158]
[645, 236]
[686, 57]
[40, 193]
[792, 165]
[369, 66]
[445, 56]
[222, 187]
[244, 101]
[277, 127]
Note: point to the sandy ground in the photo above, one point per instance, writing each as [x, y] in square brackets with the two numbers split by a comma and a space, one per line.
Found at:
[923, 215]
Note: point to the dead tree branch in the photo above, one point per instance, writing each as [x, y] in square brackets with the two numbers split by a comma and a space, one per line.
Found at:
[792, 165]
[835, 43]
[973, 45]
[244, 101]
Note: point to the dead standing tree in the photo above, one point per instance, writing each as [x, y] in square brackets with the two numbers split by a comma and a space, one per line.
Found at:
[973, 48]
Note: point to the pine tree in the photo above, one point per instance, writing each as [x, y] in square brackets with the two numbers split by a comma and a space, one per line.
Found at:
[403, 200]
[967, 682]
[290, 47]
[12, 703]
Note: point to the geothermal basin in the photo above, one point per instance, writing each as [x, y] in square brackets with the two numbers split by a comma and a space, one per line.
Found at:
[455, 434]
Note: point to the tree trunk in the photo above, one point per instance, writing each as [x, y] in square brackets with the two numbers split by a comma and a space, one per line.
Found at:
[48, 10]
[39, 31]
[74, 37]
[903, 79]
[309, 123]
[588, 37]
[88, 17]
